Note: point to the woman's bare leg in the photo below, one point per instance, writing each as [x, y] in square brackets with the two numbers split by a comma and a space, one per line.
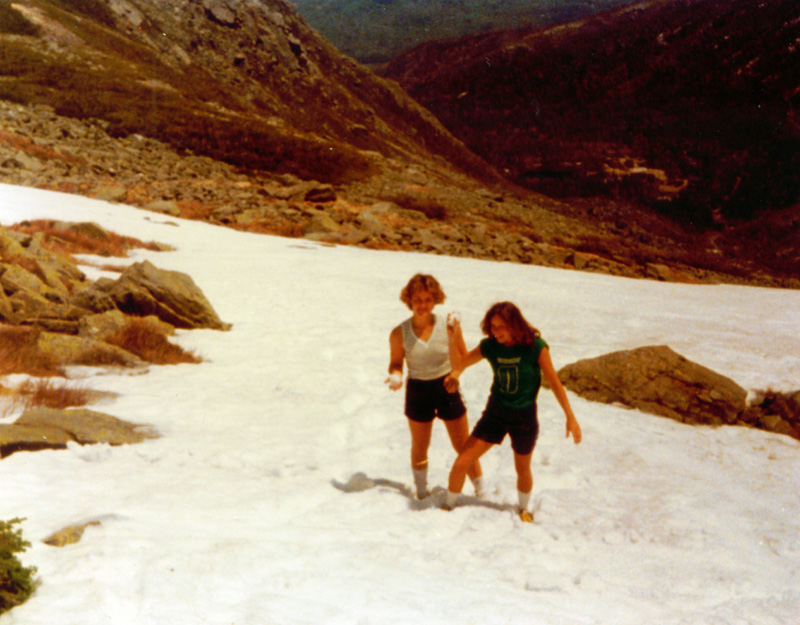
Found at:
[458, 430]
[473, 449]
[522, 463]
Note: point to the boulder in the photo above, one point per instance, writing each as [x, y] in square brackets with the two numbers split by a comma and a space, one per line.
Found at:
[171, 296]
[104, 325]
[6, 309]
[657, 380]
[67, 350]
[15, 278]
[69, 535]
[87, 427]
[320, 195]
[165, 207]
[49, 428]
[15, 438]
[775, 412]
[322, 223]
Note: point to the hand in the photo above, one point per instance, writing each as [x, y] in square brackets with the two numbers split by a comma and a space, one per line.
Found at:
[574, 429]
[451, 383]
[394, 381]
[454, 323]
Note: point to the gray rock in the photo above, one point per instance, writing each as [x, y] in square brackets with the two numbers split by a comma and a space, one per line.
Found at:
[69, 535]
[322, 223]
[14, 438]
[220, 12]
[165, 207]
[15, 278]
[6, 309]
[775, 411]
[104, 325]
[68, 350]
[87, 426]
[321, 194]
[111, 193]
[171, 296]
[657, 380]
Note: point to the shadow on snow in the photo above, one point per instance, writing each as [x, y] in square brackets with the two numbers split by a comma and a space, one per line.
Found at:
[359, 482]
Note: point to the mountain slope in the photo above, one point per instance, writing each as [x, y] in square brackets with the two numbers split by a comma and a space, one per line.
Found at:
[247, 82]
[156, 89]
[375, 31]
[685, 105]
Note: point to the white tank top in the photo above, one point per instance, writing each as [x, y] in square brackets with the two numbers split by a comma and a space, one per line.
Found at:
[427, 360]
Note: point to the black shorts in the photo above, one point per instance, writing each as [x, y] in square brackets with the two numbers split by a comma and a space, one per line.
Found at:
[521, 425]
[428, 399]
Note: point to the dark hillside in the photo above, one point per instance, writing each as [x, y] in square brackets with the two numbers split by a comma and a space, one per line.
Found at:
[375, 31]
[689, 106]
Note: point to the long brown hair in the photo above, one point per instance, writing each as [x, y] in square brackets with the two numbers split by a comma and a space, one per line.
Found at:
[521, 331]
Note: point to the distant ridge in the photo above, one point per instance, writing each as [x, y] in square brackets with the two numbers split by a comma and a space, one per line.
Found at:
[374, 31]
[688, 106]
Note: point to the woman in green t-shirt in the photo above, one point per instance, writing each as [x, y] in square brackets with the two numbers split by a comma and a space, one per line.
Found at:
[519, 357]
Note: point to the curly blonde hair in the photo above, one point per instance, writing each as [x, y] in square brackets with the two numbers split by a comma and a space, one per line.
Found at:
[422, 282]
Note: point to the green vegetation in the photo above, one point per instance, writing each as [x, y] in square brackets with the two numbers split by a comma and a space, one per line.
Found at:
[374, 31]
[16, 581]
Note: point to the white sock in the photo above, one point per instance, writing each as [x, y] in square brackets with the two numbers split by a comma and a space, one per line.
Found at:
[524, 500]
[421, 482]
[477, 483]
[450, 500]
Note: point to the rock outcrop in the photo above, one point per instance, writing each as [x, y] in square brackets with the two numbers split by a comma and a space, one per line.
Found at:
[48, 428]
[173, 297]
[41, 288]
[657, 380]
[774, 411]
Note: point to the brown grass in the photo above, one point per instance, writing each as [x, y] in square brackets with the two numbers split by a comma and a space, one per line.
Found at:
[45, 392]
[142, 339]
[67, 241]
[19, 353]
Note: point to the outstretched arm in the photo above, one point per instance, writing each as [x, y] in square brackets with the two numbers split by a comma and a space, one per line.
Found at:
[396, 356]
[549, 372]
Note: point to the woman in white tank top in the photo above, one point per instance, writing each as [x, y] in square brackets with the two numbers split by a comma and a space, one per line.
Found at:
[421, 342]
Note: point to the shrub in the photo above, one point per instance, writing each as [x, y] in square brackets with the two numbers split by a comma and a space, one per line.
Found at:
[45, 392]
[16, 581]
[148, 343]
[19, 353]
[67, 239]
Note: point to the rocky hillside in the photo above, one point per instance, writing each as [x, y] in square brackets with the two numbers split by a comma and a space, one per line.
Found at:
[237, 113]
[245, 82]
[375, 31]
[685, 106]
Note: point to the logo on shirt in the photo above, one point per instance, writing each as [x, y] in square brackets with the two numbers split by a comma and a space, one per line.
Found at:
[508, 375]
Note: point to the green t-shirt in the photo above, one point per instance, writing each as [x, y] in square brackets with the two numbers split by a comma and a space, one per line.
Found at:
[517, 375]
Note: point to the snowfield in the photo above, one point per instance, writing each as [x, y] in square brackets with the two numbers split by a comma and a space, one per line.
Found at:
[279, 492]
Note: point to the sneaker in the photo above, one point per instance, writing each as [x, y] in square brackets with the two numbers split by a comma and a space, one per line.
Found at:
[525, 516]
